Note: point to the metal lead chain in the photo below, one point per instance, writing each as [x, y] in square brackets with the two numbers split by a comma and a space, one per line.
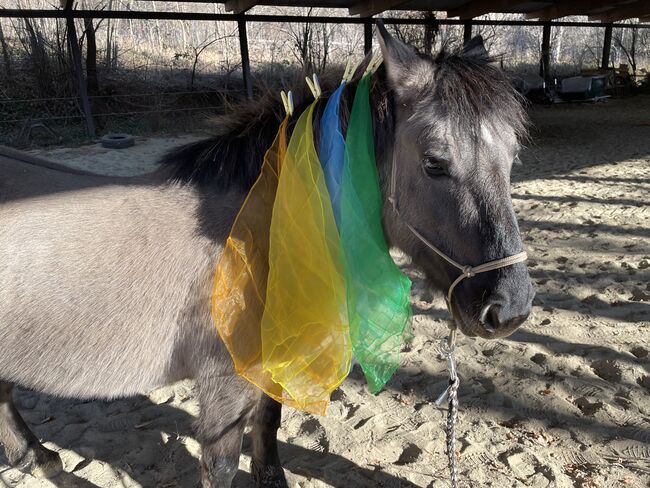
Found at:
[447, 347]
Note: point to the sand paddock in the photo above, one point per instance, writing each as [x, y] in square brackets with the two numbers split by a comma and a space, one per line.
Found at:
[564, 402]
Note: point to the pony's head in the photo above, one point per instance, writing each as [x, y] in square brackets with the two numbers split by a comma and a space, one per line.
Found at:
[457, 125]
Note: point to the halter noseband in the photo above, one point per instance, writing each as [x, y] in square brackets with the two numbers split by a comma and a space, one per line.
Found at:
[466, 270]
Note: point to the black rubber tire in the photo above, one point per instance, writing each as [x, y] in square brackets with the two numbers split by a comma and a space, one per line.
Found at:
[117, 141]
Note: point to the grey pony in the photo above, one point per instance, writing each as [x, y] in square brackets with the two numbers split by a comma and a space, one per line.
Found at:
[105, 283]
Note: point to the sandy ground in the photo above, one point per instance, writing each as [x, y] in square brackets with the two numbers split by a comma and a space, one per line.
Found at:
[564, 402]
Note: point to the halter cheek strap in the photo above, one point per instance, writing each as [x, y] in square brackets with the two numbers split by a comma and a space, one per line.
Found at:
[466, 270]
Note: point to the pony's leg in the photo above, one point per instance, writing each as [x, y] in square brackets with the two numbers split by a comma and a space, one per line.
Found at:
[265, 463]
[226, 403]
[22, 448]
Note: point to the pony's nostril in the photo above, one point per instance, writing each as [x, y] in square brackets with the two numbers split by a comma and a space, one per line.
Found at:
[484, 313]
[490, 318]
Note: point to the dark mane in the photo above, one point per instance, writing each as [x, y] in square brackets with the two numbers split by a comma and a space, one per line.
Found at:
[233, 156]
[470, 89]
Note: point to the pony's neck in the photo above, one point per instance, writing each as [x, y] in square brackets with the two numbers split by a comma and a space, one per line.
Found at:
[232, 159]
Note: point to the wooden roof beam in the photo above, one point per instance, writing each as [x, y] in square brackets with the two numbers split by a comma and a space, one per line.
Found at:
[627, 11]
[575, 7]
[374, 7]
[239, 6]
[476, 8]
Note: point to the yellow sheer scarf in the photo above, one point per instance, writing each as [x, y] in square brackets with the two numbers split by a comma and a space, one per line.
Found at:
[240, 281]
[305, 334]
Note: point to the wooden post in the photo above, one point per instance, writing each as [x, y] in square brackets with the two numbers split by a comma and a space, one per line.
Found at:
[545, 64]
[431, 29]
[467, 32]
[82, 88]
[607, 46]
[367, 36]
[245, 61]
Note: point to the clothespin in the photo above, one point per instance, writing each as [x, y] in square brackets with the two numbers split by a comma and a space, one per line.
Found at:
[345, 71]
[374, 63]
[287, 101]
[314, 85]
[350, 68]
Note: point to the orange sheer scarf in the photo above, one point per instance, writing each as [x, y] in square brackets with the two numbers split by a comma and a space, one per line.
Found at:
[240, 281]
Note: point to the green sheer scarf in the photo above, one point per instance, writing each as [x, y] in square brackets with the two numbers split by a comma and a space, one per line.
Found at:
[378, 293]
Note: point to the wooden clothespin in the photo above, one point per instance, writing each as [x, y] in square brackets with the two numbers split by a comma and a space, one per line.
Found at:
[374, 63]
[314, 86]
[287, 101]
[350, 69]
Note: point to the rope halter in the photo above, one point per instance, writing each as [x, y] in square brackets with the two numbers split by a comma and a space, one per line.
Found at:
[466, 271]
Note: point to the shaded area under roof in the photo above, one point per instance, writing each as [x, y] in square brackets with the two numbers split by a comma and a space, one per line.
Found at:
[597, 10]
[603, 11]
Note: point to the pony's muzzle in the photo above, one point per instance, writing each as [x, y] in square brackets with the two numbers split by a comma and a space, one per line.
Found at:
[499, 318]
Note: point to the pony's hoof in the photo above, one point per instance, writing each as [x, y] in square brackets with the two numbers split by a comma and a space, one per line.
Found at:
[41, 463]
[268, 476]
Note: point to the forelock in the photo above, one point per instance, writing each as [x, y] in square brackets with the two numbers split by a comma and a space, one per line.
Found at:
[472, 92]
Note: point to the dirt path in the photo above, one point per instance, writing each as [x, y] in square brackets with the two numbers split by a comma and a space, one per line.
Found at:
[564, 402]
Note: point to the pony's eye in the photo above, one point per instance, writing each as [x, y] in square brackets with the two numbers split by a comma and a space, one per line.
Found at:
[434, 167]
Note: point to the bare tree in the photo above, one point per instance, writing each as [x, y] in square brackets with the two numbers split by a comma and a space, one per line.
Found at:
[198, 50]
[91, 57]
[312, 43]
[302, 38]
[627, 40]
[110, 58]
[5, 53]
[34, 46]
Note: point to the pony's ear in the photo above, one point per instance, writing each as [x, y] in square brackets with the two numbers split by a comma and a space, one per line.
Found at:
[407, 71]
[475, 49]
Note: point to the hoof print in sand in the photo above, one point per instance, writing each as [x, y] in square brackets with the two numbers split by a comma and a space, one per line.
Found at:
[607, 370]
[540, 359]
[317, 437]
[639, 352]
[521, 463]
[410, 454]
[586, 407]
[644, 381]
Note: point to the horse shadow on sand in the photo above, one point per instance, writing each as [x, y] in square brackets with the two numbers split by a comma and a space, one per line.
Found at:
[151, 444]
